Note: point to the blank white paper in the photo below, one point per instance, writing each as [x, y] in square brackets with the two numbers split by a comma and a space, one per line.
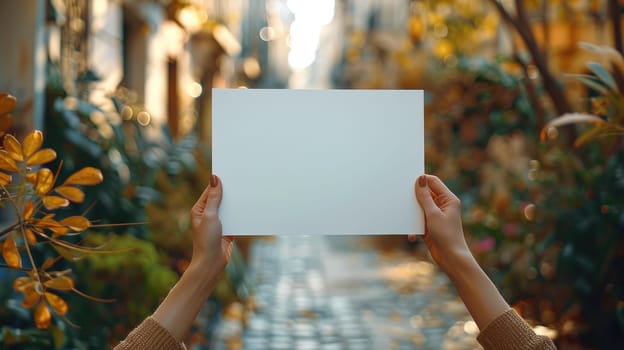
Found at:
[330, 162]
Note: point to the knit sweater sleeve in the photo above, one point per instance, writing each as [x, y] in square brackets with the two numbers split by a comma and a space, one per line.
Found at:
[150, 335]
[510, 332]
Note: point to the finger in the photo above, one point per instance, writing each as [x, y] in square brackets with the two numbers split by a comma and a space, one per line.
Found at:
[200, 205]
[423, 195]
[428, 240]
[215, 192]
[229, 238]
[438, 187]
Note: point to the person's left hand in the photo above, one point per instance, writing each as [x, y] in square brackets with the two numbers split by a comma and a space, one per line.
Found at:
[209, 245]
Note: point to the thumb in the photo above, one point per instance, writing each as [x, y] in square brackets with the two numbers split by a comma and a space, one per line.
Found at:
[423, 194]
[215, 192]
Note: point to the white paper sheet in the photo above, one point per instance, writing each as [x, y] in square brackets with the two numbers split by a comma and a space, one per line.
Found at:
[318, 161]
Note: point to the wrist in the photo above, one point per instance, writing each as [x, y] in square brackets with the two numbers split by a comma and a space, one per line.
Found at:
[201, 275]
[459, 262]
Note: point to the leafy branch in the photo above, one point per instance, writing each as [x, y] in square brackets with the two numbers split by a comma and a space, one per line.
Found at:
[29, 188]
[522, 25]
[607, 109]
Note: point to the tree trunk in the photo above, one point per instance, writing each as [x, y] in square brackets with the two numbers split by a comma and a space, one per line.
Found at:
[173, 111]
[616, 20]
[546, 24]
[521, 24]
[532, 94]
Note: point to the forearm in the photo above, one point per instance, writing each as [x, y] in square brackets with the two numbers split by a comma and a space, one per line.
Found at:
[479, 294]
[181, 306]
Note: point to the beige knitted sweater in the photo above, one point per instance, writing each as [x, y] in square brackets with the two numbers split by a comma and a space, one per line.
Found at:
[507, 332]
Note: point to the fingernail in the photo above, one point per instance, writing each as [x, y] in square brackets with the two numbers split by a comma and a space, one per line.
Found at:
[422, 181]
[214, 181]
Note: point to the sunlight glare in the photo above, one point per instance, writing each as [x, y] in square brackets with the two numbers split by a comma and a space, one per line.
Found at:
[310, 18]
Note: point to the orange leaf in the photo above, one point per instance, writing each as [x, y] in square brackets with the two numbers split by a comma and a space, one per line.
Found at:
[7, 102]
[57, 303]
[22, 283]
[31, 177]
[60, 231]
[32, 142]
[42, 316]
[52, 225]
[28, 210]
[5, 123]
[47, 263]
[60, 283]
[11, 254]
[45, 181]
[31, 297]
[30, 236]
[5, 179]
[7, 163]
[72, 193]
[41, 157]
[54, 202]
[13, 147]
[85, 176]
[76, 223]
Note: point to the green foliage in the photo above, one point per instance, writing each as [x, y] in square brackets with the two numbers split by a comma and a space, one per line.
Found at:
[548, 216]
[137, 280]
[32, 339]
[129, 154]
[586, 186]
[581, 228]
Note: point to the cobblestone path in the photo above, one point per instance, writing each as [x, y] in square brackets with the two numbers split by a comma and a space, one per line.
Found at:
[335, 293]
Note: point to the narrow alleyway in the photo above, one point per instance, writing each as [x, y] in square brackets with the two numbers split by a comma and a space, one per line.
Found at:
[340, 293]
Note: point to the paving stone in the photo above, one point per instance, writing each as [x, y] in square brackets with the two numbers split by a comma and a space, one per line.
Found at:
[330, 293]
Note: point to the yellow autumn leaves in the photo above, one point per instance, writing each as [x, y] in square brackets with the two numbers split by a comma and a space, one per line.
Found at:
[30, 190]
[37, 293]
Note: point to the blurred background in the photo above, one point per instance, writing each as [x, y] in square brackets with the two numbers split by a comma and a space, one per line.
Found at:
[125, 86]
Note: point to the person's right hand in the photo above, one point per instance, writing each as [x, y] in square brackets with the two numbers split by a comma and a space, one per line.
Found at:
[444, 235]
[210, 247]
